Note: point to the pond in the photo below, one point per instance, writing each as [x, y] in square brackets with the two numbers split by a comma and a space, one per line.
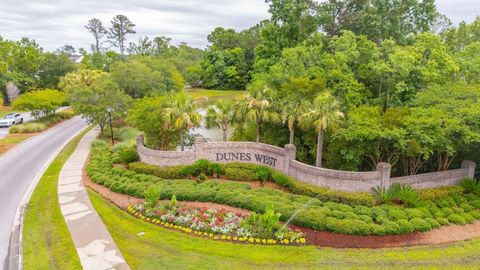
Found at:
[212, 134]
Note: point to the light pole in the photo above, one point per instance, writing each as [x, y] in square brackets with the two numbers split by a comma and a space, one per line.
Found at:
[109, 110]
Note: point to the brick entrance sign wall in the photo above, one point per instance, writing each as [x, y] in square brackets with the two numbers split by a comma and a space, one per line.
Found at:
[283, 160]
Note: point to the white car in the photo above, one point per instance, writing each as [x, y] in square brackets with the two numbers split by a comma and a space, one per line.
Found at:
[11, 119]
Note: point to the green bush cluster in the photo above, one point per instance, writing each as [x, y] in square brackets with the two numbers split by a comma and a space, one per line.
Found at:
[204, 166]
[250, 172]
[127, 155]
[434, 194]
[42, 123]
[27, 128]
[173, 172]
[238, 171]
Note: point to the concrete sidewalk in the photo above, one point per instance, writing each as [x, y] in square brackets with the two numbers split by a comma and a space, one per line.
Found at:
[93, 242]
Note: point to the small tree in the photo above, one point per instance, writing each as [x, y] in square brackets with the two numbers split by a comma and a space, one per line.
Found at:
[40, 102]
[92, 101]
[147, 115]
[181, 114]
[220, 115]
[323, 114]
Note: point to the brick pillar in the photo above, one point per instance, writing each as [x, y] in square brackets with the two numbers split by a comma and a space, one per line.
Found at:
[198, 147]
[290, 154]
[470, 168]
[140, 139]
[384, 169]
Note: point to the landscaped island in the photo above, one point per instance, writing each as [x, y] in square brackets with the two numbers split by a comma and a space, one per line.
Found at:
[262, 190]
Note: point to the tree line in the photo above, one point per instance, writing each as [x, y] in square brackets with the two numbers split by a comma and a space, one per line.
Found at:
[350, 83]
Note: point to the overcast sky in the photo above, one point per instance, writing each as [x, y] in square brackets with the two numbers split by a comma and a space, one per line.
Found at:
[53, 23]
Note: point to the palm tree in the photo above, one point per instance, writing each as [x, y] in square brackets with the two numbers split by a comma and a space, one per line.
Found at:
[181, 114]
[221, 115]
[323, 114]
[258, 109]
[292, 110]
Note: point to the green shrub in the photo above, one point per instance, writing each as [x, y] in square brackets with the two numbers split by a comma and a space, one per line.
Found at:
[396, 214]
[414, 213]
[405, 194]
[151, 195]
[349, 226]
[433, 223]
[263, 173]
[382, 195]
[468, 218]
[457, 219]
[99, 143]
[458, 210]
[446, 202]
[28, 128]
[469, 185]
[201, 178]
[391, 227]
[435, 194]
[447, 211]
[404, 226]
[474, 214]
[218, 169]
[442, 221]
[240, 174]
[420, 225]
[281, 179]
[466, 207]
[174, 172]
[204, 166]
[475, 204]
[127, 155]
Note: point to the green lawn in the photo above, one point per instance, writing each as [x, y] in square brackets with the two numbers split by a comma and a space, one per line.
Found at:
[47, 243]
[205, 97]
[11, 140]
[160, 248]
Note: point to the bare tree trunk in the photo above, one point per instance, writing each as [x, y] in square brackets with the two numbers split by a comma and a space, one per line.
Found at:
[258, 133]
[182, 143]
[224, 134]
[319, 148]
[292, 136]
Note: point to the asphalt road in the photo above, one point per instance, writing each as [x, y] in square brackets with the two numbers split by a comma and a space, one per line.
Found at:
[19, 167]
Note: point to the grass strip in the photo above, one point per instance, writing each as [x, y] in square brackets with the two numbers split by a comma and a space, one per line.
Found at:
[160, 248]
[47, 243]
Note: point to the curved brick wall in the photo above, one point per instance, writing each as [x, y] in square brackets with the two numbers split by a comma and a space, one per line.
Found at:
[283, 160]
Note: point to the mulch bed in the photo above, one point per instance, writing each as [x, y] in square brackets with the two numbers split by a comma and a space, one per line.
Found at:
[443, 235]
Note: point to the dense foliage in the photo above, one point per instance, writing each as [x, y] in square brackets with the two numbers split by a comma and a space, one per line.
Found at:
[41, 102]
[350, 83]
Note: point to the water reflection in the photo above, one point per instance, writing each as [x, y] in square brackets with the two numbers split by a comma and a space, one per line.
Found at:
[212, 134]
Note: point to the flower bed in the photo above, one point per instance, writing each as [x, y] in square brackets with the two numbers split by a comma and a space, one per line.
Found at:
[212, 223]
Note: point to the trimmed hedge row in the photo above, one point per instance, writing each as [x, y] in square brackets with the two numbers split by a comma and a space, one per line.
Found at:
[247, 172]
[319, 215]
